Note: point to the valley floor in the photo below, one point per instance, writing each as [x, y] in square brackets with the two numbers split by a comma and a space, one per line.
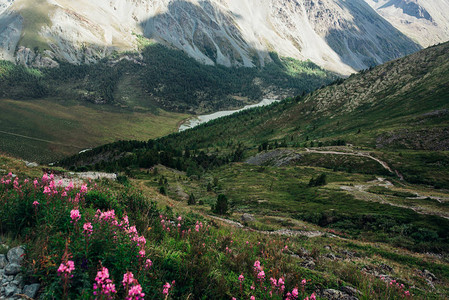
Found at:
[47, 130]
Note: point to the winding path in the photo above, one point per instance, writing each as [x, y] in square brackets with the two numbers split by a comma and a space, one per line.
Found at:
[285, 232]
[361, 154]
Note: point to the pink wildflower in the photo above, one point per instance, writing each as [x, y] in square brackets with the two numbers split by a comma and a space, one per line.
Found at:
[47, 190]
[135, 293]
[35, 203]
[75, 215]
[252, 298]
[142, 253]
[88, 228]
[128, 279]
[103, 285]
[257, 267]
[261, 276]
[241, 278]
[83, 189]
[148, 263]
[65, 269]
[167, 287]
[295, 293]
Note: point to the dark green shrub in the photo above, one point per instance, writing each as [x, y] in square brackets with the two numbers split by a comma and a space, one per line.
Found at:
[221, 207]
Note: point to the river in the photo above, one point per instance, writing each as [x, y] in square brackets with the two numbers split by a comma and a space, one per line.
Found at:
[197, 120]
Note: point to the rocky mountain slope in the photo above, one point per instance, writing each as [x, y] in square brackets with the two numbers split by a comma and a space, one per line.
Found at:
[336, 34]
[426, 22]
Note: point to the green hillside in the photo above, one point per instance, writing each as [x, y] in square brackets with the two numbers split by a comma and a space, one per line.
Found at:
[389, 122]
[129, 96]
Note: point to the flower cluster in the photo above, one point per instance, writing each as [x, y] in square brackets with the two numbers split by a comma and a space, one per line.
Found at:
[398, 286]
[88, 228]
[75, 215]
[166, 288]
[132, 286]
[65, 269]
[103, 286]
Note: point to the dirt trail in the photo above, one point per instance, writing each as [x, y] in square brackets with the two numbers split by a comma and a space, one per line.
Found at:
[362, 154]
[284, 232]
[360, 191]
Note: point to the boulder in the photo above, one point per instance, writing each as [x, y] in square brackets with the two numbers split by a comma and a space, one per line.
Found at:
[351, 291]
[11, 290]
[247, 218]
[12, 269]
[18, 280]
[309, 264]
[15, 255]
[332, 294]
[429, 275]
[31, 290]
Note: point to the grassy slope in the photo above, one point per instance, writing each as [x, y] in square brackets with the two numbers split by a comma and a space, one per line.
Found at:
[143, 95]
[335, 112]
[210, 269]
[391, 96]
[35, 16]
[71, 127]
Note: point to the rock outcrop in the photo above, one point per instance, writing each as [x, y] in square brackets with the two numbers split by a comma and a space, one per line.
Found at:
[11, 280]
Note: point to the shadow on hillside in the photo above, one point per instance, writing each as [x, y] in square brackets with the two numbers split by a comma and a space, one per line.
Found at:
[370, 49]
[211, 35]
[204, 32]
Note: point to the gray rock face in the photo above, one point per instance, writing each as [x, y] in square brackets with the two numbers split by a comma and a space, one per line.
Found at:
[12, 269]
[332, 294]
[351, 291]
[309, 264]
[429, 275]
[11, 281]
[31, 290]
[10, 290]
[15, 255]
[335, 34]
[277, 158]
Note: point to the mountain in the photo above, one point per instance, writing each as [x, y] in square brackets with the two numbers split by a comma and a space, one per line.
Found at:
[341, 36]
[425, 22]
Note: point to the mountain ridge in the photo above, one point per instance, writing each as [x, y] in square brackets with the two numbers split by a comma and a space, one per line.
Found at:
[338, 35]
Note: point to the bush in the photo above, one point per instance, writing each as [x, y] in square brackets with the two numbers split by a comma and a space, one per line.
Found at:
[221, 207]
[191, 200]
[319, 181]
